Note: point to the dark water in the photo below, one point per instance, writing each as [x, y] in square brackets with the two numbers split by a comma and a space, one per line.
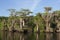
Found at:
[30, 36]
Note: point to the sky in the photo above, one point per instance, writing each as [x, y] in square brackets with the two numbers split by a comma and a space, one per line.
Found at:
[34, 5]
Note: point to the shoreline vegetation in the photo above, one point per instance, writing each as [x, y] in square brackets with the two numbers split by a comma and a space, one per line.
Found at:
[22, 21]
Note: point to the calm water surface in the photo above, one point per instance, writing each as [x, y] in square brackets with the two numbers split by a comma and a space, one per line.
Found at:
[29, 36]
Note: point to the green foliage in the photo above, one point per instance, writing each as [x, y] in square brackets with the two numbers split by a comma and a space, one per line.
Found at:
[1, 20]
[39, 21]
[30, 21]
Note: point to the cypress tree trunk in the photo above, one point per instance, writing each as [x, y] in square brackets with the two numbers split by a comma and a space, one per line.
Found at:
[23, 23]
[47, 27]
[58, 27]
[38, 29]
[20, 23]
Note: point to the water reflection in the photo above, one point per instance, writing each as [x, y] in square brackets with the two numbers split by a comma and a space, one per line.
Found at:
[30, 36]
[48, 36]
[57, 36]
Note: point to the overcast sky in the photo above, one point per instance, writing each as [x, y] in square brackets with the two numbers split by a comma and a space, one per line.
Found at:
[33, 5]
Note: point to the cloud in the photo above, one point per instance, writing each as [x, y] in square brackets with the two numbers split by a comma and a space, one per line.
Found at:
[36, 2]
[28, 4]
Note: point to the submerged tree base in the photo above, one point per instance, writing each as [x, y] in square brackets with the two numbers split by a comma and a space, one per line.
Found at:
[48, 31]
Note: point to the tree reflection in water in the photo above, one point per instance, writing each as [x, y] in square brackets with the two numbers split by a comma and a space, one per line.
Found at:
[29, 36]
[48, 36]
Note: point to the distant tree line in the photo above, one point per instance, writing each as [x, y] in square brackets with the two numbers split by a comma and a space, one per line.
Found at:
[22, 18]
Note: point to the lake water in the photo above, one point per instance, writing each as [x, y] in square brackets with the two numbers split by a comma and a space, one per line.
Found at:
[29, 36]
